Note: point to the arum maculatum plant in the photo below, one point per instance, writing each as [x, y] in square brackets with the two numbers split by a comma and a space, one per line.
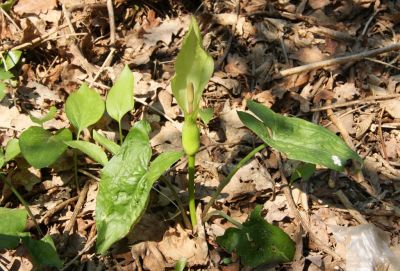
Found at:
[193, 70]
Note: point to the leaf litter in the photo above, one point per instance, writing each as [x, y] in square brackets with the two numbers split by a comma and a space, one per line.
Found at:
[268, 36]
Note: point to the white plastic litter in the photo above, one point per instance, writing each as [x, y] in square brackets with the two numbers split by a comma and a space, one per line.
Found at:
[366, 248]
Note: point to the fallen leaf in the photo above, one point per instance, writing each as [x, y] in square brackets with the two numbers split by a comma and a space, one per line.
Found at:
[317, 4]
[392, 107]
[345, 92]
[236, 65]
[310, 54]
[34, 6]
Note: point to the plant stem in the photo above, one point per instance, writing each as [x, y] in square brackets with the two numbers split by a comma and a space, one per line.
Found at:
[121, 136]
[226, 180]
[192, 205]
[75, 158]
[227, 217]
[24, 203]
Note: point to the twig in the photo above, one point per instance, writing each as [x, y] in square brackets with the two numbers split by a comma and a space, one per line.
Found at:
[337, 35]
[111, 20]
[380, 133]
[383, 63]
[336, 61]
[105, 63]
[296, 213]
[350, 208]
[88, 174]
[78, 207]
[370, 99]
[86, 248]
[57, 208]
[10, 19]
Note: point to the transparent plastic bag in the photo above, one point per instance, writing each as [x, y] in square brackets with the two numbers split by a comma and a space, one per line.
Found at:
[366, 248]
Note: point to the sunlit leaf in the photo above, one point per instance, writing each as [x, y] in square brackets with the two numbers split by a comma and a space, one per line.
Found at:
[92, 150]
[7, 5]
[12, 150]
[4, 75]
[126, 181]
[120, 99]
[84, 107]
[298, 139]
[206, 115]
[303, 171]
[49, 116]
[258, 242]
[12, 224]
[43, 252]
[193, 65]
[2, 92]
[110, 145]
[11, 59]
[41, 148]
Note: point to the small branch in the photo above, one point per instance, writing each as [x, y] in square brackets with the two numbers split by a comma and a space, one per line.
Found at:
[350, 208]
[338, 60]
[57, 208]
[78, 207]
[111, 20]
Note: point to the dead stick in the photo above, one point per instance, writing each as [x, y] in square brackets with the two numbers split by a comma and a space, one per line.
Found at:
[350, 208]
[59, 207]
[78, 207]
[110, 10]
[338, 60]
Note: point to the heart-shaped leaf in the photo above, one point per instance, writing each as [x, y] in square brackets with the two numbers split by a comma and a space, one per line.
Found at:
[92, 150]
[110, 145]
[12, 224]
[40, 148]
[84, 107]
[298, 139]
[120, 98]
[258, 242]
[193, 66]
[126, 181]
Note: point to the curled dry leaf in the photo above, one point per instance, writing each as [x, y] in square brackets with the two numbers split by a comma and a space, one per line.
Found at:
[392, 107]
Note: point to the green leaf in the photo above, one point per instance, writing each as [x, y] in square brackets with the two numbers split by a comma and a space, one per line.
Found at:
[4, 75]
[12, 150]
[43, 252]
[92, 150]
[2, 160]
[2, 92]
[7, 5]
[40, 148]
[125, 186]
[303, 171]
[110, 145]
[193, 65]
[180, 264]
[120, 98]
[84, 107]
[11, 59]
[258, 242]
[206, 115]
[297, 138]
[12, 224]
[50, 115]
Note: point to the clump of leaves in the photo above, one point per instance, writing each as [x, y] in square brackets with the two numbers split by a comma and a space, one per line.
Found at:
[6, 64]
[257, 242]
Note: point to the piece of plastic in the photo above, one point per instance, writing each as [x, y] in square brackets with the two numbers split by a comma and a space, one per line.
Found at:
[366, 248]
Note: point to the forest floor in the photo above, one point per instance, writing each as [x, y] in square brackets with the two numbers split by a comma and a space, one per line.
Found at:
[254, 45]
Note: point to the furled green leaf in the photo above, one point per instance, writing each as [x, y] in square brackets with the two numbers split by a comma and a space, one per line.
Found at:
[92, 150]
[110, 145]
[11, 59]
[258, 242]
[12, 150]
[206, 114]
[126, 181]
[43, 252]
[50, 115]
[84, 107]
[193, 65]
[120, 98]
[40, 148]
[12, 224]
[4, 75]
[297, 138]
[7, 5]
[303, 171]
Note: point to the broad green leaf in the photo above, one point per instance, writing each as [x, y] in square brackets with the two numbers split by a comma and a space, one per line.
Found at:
[303, 171]
[84, 107]
[206, 115]
[4, 75]
[120, 98]
[92, 150]
[125, 185]
[12, 150]
[12, 224]
[2, 92]
[298, 139]
[258, 242]
[11, 59]
[193, 65]
[7, 5]
[50, 115]
[110, 145]
[40, 148]
[43, 252]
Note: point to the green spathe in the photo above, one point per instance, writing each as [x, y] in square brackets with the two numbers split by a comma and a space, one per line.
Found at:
[298, 139]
